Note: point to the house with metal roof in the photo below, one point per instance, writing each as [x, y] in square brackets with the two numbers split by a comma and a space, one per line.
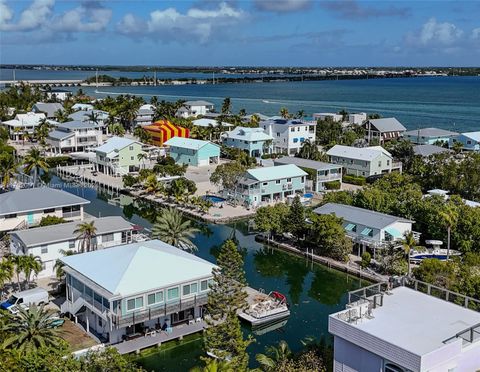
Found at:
[50, 242]
[254, 141]
[368, 228]
[414, 326]
[428, 150]
[22, 125]
[73, 136]
[26, 207]
[82, 107]
[289, 135]
[49, 109]
[151, 286]
[195, 108]
[319, 173]
[382, 130]
[269, 185]
[429, 136]
[118, 156]
[205, 122]
[193, 152]
[470, 141]
[363, 161]
[337, 118]
[145, 115]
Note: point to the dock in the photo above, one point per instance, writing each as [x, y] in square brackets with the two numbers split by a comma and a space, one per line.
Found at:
[83, 174]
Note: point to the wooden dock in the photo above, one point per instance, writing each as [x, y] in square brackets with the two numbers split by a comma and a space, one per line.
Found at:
[83, 174]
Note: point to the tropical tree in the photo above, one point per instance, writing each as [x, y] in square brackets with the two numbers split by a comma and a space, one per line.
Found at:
[116, 129]
[172, 228]
[58, 267]
[152, 185]
[141, 158]
[300, 114]
[8, 169]
[35, 161]
[31, 263]
[214, 365]
[86, 232]
[409, 243]
[142, 134]
[17, 261]
[449, 216]
[226, 106]
[254, 120]
[61, 116]
[29, 330]
[309, 150]
[93, 117]
[228, 174]
[274, 357]
[6, 273]
[284, 113]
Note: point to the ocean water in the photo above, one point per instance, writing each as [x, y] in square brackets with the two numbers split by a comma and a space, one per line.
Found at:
[445, 102]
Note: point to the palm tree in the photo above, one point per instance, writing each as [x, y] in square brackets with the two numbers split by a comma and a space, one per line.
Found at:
[409, 243]
[8, 171]
[214, 365]
[34, 160]
[284, 113]
[141, 158]
[58, 267]
[86, 232]
[30, 263]
[300, 114]
[17, 131]
[29, 330]
[254, 120]
[116, 129]
[175, 230]
[274, 356]
[152, 185]
[93, 117]
[60, 116]
[450, 217]
[6, 273]
[17, 262]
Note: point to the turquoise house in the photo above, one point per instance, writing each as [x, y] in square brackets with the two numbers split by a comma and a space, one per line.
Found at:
[193, 152]
[254, 141]
[270, 185]
[429, 136]
[470, 141]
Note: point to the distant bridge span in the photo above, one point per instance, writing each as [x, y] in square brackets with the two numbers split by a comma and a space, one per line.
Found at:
[41, 82]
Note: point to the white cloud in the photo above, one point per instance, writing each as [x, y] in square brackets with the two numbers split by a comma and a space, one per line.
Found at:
[196, 24]
[88, 17]
[6, 15]
[30, 19]
[282, 6]
[439, 33]
[475, 34]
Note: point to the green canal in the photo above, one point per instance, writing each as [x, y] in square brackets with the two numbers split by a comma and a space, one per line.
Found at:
[313, 291]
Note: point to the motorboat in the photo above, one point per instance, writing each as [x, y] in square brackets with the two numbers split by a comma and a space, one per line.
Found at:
[435, 251]
[266, 309]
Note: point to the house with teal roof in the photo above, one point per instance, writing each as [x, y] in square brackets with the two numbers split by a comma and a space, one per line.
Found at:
[269, 185]
[152, 286]
[118, 156]
[193, 152]
[254, 141]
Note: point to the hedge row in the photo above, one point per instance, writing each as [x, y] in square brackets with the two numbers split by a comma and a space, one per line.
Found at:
[354, 180]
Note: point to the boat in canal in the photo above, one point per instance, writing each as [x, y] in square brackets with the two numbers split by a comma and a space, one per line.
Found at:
[266, 309]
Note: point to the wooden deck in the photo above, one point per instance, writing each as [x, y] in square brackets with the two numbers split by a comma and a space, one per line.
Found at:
[158, 338]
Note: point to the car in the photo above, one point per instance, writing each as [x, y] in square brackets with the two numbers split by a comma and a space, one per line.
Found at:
[15, 309]
[36, 296]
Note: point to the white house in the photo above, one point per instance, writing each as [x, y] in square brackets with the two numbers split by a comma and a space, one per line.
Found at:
[59, 94]
[363, 161]
[49, 242]
[405, 330]
[151, 285]
[195, 108]
[49, 109]
[204, 122]
[289, 135]
[26, 207]
[118, 156]
[74, 136]
[144, 115]
[327, 116]
[100, 118]
[82, 107]
[21, 124]
[358, 118]
[368, 228]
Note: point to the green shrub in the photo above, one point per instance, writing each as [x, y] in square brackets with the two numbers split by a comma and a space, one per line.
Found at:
[354, 180]
[332, 185]
[366, 259]
[52, 162]
[51, 220]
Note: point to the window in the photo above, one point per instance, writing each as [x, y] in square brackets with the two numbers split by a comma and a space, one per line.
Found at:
[194, 287]
[389, 367]
[190, 289]
[380, 163]
[131, 157]
[298, 129]
[12, 215]
[289, 180]
[134, 303]
[292, 129]
[155, 298]
[130, 148]
[44, 249]
[203, 285]
[265, 184]
[303, 179]
[388, 162]
[49, 210]
[277, 182]
[71, 244]
[278, 134]
[172, 293]
[107, 238]
[186, 290]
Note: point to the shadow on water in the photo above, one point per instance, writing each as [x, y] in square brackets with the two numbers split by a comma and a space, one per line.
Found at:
[313, 291]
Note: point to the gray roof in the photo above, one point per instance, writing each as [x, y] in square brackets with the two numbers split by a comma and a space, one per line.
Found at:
[361, 216]
[48, 108]
[26, 200]
[430, 132]
[77, 125]
[427, 150]
[305, 163]
[198, 103]
[65, 231]
[59, 134]
[387, 125]
[281, 121]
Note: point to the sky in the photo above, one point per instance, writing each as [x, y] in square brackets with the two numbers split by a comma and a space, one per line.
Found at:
[240, 33]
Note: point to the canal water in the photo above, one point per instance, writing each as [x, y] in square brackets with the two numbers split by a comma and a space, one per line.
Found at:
[313, 291]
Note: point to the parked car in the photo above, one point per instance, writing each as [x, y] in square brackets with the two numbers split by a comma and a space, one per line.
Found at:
[35, 296]
[14, 309]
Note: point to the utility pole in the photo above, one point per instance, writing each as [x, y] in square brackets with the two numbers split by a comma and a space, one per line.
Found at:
[96, 78]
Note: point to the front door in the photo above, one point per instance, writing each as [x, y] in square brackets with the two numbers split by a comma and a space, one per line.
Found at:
[30, 219]
[182, 316]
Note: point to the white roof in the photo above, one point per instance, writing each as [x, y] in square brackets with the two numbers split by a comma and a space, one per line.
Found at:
[198, 103]
[275, 173]
[417, 322]
[204, 122]
[139, 267]
[472, 135]
[115, 144]
[187, 143]
[249, 134]
[29, 119]
[360, 153]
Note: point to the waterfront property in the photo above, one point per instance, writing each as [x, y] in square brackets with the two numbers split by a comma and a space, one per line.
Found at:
[289, 135]
[58, 94]
[254, 141]
[144, 115]
[337, 118]
[319, 173]
[405, 329]
[82, 107]
[383, 130]
[193, 152]
[49, 109]
[429, 136]
[26, 207]
[368, 228]
[49, 242]
[204, 122]
[470, 141]
[358, 118]
[162, 130]
[363, 161]
[152, 286]
[428, 150]
[194, 108]
[117, 156]
[74, 136]
[23, 125]
[270, 184]
[85, 115]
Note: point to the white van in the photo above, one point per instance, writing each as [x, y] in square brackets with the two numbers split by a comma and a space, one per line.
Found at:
[35, 296]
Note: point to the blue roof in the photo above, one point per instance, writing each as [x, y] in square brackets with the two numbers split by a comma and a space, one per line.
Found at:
[115, 144]
[59, 134]
[139, 267]
[77, 125]
[275, 173]
[249, 134]
[188, 143]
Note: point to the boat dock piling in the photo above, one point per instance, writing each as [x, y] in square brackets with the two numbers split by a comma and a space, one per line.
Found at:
[83, 174]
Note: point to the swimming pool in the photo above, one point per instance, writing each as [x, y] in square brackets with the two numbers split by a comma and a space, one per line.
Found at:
[214, 199]
[309, 196]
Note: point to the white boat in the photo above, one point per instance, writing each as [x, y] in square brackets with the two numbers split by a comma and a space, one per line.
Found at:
[266, 309]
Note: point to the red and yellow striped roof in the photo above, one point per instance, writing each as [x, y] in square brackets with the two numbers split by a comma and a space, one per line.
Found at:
[163, 130]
